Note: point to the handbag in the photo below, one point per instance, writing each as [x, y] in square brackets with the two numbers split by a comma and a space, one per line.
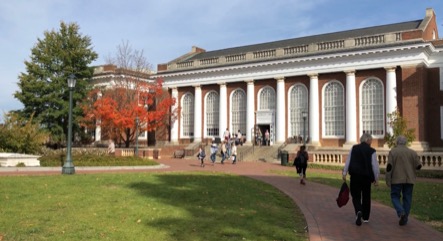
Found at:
[343, 195]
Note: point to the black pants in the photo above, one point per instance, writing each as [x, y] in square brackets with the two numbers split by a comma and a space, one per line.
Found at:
[361, 194]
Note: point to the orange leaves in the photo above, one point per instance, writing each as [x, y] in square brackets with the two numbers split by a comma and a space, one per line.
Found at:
[116, 109]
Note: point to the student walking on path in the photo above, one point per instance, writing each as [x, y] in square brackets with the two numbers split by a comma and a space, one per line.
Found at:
[301, 163]
[362, 165]
[403, 162]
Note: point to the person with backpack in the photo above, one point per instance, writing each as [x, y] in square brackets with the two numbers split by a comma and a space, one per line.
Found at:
[201, 156]
[301, 163]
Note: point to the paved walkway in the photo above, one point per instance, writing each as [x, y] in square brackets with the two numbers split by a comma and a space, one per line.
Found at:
[326, 222]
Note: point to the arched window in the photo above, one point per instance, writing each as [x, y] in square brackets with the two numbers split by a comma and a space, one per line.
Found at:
[212, 114]
[188, 115]
[238, 111]
[333, 110]
[267, 99]
[298, 102]
[371, 109]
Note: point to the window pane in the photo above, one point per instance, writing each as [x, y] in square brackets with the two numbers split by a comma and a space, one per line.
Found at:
[212, 114]
[238, 111]
[372, 112]
[298, 102]
[334, 110]
[188, 115]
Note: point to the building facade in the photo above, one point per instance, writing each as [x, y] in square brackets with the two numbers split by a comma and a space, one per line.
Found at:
[326, 89]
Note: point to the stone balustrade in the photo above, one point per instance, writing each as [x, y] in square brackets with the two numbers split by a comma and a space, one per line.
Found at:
[429, 160]
[363, 41]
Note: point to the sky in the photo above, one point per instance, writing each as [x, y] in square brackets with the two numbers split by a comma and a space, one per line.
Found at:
[167, 29]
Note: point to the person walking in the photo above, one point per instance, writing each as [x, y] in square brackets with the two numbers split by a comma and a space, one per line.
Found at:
[403, 163]
[224, 153]
[267, 138]
[111, 148]
[227, 135]
[363, 168]
[301, 163]
[214, 150]
[234, 153]
[201, 156]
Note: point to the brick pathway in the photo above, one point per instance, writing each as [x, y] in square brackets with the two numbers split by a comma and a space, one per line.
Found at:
[326, 222]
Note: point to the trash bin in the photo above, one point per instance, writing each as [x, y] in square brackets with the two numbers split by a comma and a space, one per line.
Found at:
[284, 158]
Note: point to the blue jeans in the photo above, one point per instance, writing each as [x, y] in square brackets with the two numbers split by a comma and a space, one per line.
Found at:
[403, 191]
[213, 156]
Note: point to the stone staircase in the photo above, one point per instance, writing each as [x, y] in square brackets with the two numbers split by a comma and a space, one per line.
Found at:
[259, 153]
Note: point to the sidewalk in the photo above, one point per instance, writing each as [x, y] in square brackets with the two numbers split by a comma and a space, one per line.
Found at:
[326, 222]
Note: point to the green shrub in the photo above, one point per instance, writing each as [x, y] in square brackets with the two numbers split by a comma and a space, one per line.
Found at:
[20, 164]
[79, 159]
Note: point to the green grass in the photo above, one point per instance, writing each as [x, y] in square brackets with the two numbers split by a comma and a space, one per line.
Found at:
[146, 206]
[427, 204]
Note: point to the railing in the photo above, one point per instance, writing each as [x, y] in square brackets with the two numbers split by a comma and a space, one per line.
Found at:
[265, 54]
[331, 45]
[235, 58]
[209, 61]
[429, 160]
[370, 40]
[128, 152]
[296, 50]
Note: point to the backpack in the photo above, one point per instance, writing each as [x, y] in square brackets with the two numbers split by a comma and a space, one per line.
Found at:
[302, 159]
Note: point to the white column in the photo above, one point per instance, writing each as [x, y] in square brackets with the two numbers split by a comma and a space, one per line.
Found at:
[351, 110]
[314, 111]
[391, 94]
[250, 109]
[280, 126]
[174, 121]
[198, 114]
[223, 113]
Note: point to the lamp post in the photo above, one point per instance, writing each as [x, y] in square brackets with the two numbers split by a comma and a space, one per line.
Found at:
[136, 136]
[304, 115]
[68, 167]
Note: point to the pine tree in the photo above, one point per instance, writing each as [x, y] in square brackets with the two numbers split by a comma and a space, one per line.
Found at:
[43, 86]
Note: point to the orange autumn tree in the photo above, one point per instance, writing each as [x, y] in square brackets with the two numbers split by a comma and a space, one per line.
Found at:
[116, 109]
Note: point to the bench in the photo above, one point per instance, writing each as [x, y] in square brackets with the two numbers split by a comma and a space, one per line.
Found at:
[179, 154]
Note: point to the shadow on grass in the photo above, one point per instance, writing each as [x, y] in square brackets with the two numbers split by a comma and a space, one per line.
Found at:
[220, 207]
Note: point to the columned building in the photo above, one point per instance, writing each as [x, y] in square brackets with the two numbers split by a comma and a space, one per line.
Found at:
[326, 89]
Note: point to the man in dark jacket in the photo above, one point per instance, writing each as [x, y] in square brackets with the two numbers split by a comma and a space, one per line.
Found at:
[400, 177]
[362, 166]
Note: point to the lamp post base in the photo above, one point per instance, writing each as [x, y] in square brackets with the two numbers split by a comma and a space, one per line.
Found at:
[68, 168]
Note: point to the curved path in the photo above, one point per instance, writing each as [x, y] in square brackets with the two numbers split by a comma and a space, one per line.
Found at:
[325, 220]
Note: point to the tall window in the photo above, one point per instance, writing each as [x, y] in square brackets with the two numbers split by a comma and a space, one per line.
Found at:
[372, 112]
[212, 114]
[267, 99]
[188, 115]
[238, 111]
[298, 102]
[334, 109]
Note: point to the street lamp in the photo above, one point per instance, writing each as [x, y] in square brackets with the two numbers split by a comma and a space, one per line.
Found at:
[136, 136]
[304, 115]
[68, 167]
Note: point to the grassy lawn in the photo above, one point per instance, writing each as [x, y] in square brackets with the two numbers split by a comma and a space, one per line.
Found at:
[146, 206]
[427, 204]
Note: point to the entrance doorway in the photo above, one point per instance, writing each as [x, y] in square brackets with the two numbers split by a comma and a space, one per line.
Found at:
[263, 129]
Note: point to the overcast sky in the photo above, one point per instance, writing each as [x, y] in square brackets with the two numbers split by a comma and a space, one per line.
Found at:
[166, 29]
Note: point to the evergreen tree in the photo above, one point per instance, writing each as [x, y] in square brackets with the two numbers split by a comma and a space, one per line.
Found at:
[43, 87]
